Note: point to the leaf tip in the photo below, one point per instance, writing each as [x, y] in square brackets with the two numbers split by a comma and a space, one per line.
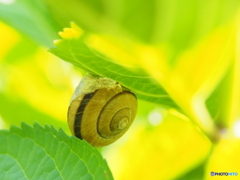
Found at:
[56, 41]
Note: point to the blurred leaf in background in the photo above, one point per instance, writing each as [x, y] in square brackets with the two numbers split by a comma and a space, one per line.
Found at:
[180, 55]
[32, 81]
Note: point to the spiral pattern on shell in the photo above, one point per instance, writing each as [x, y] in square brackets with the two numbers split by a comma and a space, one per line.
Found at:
[103, 116]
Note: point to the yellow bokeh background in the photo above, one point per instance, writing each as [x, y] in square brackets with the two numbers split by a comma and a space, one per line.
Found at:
[168, 149]
[46, 83]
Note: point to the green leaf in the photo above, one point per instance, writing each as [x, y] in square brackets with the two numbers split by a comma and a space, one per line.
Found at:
[77, 52]
[218, 103]
[45, 153]
[197, 173]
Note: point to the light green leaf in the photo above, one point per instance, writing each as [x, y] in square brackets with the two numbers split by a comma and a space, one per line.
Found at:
[32, 18]
[45, 153]
[77, 52]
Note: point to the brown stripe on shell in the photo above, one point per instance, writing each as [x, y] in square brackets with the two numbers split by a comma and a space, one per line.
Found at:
[79, 114]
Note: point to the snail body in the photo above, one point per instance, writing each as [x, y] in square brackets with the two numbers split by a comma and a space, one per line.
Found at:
[101, 110]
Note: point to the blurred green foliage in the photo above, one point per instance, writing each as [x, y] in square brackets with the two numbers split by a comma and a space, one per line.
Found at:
[184, 56]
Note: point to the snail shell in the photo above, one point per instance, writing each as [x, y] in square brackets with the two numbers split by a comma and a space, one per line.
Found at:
[101, 110]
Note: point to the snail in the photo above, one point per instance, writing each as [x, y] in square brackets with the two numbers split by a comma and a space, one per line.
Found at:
[101, 110]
